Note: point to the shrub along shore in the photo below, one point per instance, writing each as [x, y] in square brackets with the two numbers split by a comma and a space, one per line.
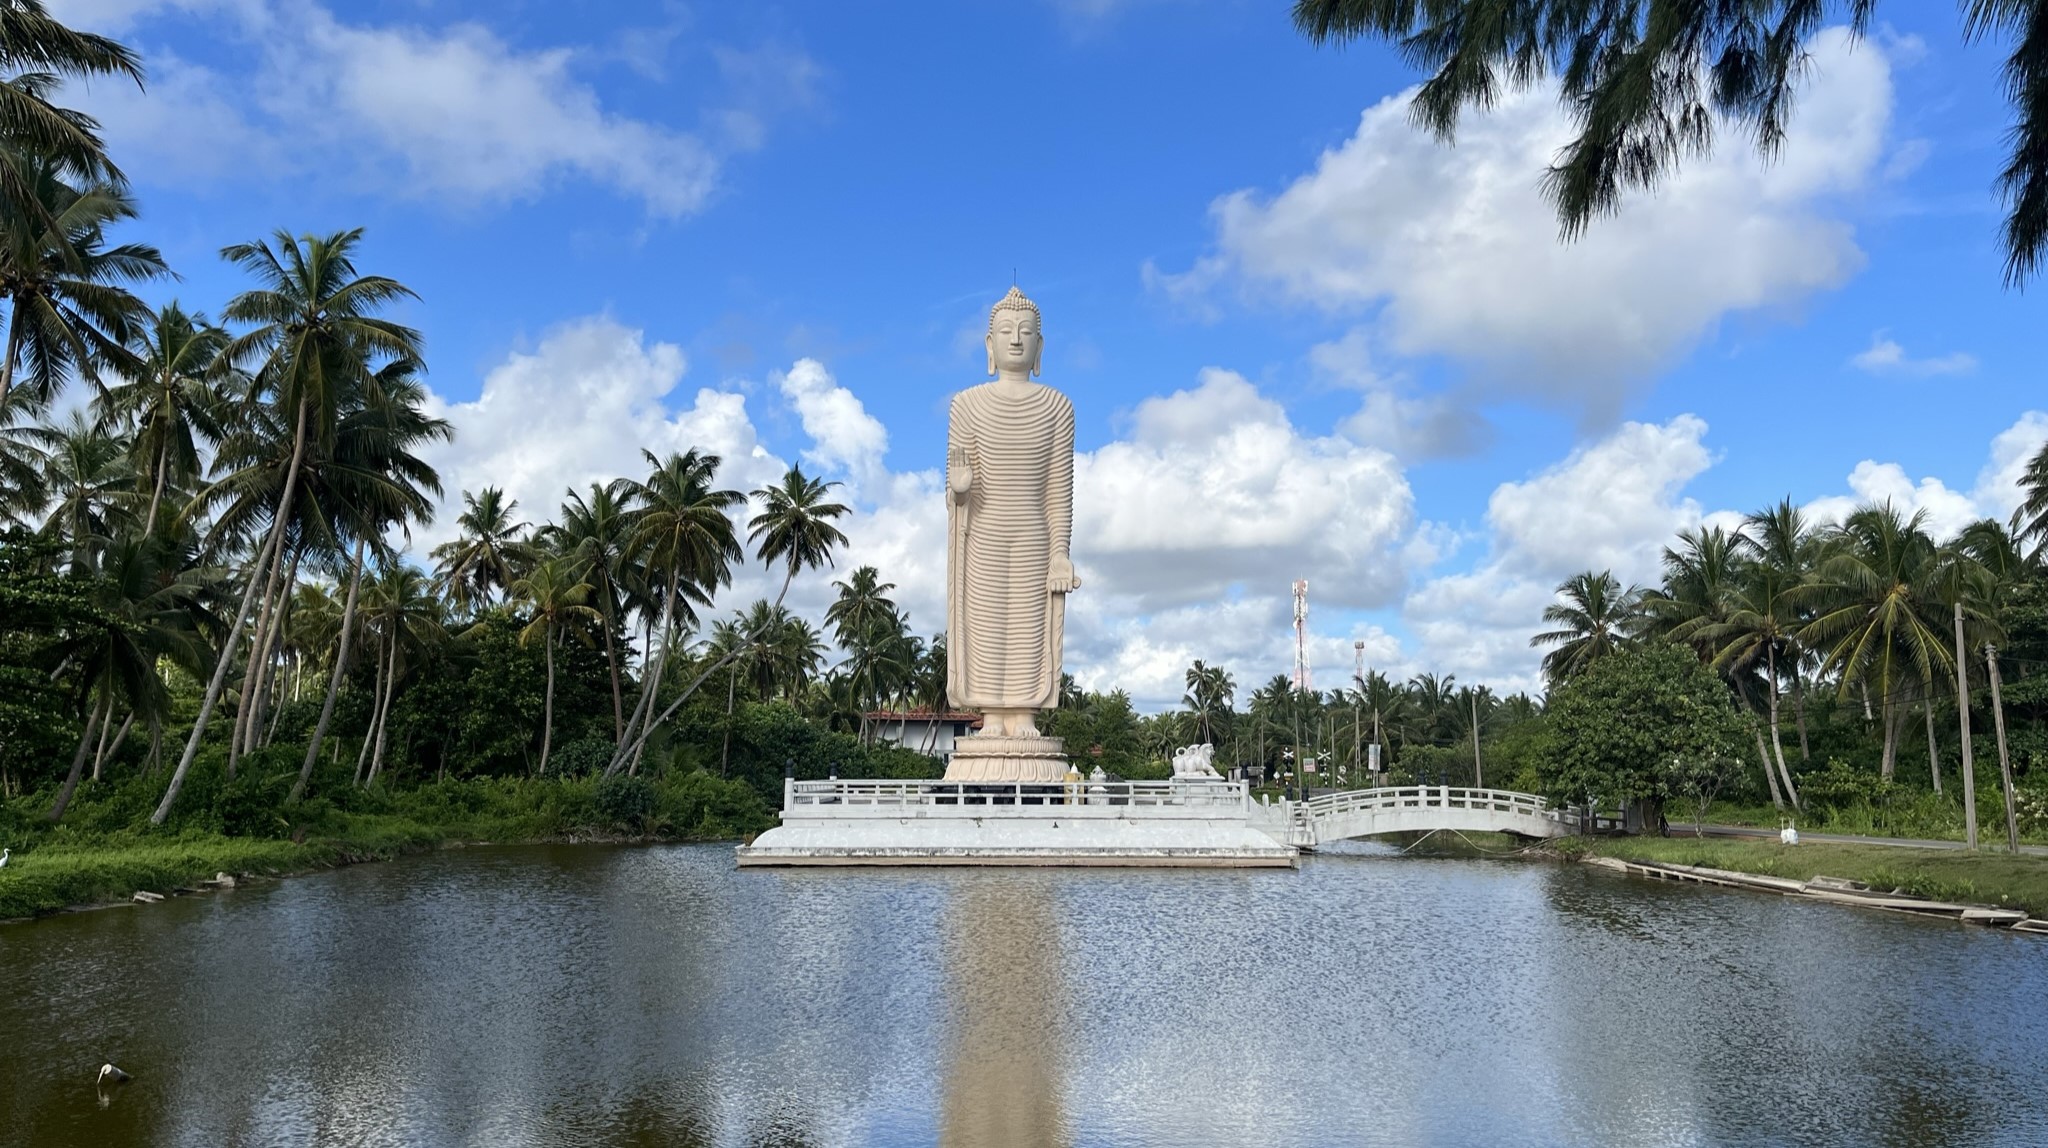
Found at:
[97, 855]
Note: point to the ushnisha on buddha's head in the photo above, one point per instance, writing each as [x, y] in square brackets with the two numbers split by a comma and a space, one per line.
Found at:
[1013, 342]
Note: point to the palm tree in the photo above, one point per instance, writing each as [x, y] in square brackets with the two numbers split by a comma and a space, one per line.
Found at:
[2030, 519]
[1699, 575]
[557, 594]
[1210, 689]
[90, 486]
[1596, 618]
[372, 484]
[169, 399]
[1757, 628]
[37, 52]
[67, 310]
[865, 623]
[401, 610]
[596, 533]
[488, 552]
[23, 490]
[794, 528]
[314, 334]
[1781, 538]
[1879, 614]
[684, 539]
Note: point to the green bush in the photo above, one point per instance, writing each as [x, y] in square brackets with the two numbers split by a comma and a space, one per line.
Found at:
[625, 802]
[580, 758]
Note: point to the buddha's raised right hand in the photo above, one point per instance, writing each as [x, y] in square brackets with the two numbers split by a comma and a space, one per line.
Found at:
[959, 476]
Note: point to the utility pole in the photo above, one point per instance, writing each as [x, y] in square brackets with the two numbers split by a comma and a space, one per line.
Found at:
[1963, 715]
[2012, 817]
[1358, 680]
[1301, 680]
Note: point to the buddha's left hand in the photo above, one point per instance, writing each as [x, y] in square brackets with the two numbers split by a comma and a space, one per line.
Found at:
[1062, 579]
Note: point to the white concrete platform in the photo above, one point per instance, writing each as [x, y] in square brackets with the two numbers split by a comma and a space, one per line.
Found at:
[1154, 824]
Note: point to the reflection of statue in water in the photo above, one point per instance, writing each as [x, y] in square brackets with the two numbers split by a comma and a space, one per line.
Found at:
[1009, 512]
[1002, 1054]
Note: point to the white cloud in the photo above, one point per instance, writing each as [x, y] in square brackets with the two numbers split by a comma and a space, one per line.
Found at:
[578, 409]
[1885, 356]
[1998, 490]
[848, 437]
[1391, 416]
[1614, 504]
[451, 113]
[1453, 250]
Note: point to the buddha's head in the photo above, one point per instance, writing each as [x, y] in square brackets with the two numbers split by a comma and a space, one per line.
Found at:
[1014, 343]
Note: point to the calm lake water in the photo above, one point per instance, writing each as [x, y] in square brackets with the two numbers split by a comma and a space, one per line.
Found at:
[593, 995]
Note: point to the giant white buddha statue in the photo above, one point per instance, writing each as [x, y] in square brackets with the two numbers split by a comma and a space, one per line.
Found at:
[1009, 516]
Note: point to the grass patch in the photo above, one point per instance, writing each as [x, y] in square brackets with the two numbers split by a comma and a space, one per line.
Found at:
[1999, 879]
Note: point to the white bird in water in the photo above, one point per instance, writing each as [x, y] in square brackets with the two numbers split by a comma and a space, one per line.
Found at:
[109, 1072]
[4, 855]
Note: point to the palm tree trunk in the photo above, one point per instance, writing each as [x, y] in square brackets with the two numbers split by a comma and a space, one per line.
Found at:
[376, 707]
[1777, 741]
[1799, 714]
[1887, 762]
[13, 348]
[732, 681]
[99, 714]
[1764, 756]
[650, 683]
[348, 615]
[384, 712]
[262, 654]
[547, 721]
[611, 656]
[156, 493]
[1933, 755]
[220, 669]
[106, 751]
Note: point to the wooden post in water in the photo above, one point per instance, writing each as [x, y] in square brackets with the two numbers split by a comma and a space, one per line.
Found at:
[1963, 716]
[2012, 817]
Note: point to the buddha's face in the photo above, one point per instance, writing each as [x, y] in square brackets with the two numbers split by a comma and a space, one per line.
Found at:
[1013, 344]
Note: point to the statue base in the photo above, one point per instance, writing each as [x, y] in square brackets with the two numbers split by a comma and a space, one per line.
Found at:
[992, 757]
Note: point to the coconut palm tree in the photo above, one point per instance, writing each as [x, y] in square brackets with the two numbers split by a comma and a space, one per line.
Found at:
[1210, 690]
[1879, 616]
[401, 611]
[67, 311]
[1596, 618]
[865, 623]
[37, 53]
[23, 489]
[90, 487]
[795, 529]
[596, 532]
[685, 543]
[558, 595]
[2029, 523]
[169, 399]
[488, 553]
[314, 333]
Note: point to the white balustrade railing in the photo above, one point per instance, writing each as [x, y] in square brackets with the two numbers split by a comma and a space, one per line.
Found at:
[798, 795]
[1428, 797]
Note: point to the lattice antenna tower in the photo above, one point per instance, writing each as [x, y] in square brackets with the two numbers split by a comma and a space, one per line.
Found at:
[1358, 663]
[1301, 676]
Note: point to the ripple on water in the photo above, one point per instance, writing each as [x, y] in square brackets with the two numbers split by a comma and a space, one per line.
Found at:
[553, 995]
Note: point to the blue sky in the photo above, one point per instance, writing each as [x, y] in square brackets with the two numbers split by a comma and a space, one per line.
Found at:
[1301, 340]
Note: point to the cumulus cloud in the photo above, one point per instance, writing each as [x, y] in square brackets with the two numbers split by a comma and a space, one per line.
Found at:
[1885, 356]
[847, 437]
[578, 409]
[1453, 251]
[453, 113]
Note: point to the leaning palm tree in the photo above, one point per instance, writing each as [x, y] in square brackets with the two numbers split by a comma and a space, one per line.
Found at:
[1596, 618]
[67, 308]
[2030, 519]
[168, 398]
[558, 596]
[314, 333]
[795, 529]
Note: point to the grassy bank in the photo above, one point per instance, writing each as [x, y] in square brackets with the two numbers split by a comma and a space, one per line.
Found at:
[1999, 879]
[106, 850]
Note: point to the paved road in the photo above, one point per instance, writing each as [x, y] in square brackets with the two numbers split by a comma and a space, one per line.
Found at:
[1987, 843]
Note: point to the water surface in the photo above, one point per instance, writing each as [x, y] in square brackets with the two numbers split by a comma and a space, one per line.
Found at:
[569, 995]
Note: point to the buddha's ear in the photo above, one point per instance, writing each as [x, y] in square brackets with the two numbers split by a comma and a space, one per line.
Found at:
[988, 342]
[1037, 356]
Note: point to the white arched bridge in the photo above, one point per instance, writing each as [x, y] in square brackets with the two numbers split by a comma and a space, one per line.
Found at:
[1347, 813]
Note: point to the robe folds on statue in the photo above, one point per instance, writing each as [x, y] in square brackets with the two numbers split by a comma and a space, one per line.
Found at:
[1004, 624]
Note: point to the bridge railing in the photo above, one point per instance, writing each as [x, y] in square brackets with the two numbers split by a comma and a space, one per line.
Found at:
[919, 792]
[1429, 797]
